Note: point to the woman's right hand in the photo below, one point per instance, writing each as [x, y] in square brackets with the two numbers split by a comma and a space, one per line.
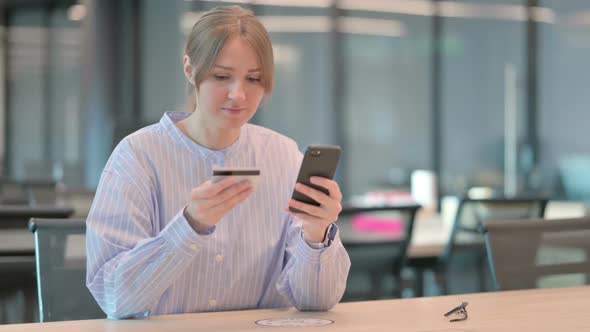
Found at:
[212, 200]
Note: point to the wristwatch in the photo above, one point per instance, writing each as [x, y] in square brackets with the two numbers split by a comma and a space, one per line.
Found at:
[328, 238]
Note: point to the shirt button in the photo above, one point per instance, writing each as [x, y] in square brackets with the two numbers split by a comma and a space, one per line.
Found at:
[219, 258]
[193, 246]
[212, 302]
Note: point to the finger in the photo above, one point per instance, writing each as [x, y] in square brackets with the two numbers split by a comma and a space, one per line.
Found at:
[228, 193]
[312, 210]
[331, 185]
[229, 204]
[304, 216]
[210, 188]
[203, 205]
[234, 201]
[312, 193]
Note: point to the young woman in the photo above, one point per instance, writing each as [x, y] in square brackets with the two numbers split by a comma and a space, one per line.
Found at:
[163, 238]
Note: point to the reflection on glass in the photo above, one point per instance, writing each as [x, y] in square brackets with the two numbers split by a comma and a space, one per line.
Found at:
[564, 96]
[482, 44]
[386, 98]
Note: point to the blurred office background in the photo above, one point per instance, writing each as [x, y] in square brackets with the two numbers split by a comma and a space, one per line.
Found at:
[469, 89]
[401, 85]
[481, 93]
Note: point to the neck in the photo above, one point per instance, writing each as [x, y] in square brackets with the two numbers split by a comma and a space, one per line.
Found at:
[207, 135]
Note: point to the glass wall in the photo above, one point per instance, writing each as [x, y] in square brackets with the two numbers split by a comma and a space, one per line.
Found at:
[43, 95]
[386, 97]
[302, 104]
[164, 27]
[483, 90]
[564, 98]
[64, 111]
[359, 75]
[26, 129]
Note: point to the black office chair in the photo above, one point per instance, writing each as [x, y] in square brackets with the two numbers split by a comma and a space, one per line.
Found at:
[373, 260]
[471, 212]
[18, 216]
[60, 247]
[17, 265]
[538, 253]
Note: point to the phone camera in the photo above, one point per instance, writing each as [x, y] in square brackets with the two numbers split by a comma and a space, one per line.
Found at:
[316, 153]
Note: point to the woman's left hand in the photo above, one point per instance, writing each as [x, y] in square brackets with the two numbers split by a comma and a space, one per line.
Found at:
[317, 218]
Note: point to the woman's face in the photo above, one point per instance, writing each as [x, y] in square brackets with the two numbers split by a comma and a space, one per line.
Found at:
[230, 94]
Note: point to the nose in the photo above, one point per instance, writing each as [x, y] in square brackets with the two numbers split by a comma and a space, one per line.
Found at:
[236, 92]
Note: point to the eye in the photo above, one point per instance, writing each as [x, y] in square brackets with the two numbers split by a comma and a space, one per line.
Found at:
[221, 77]
[254, 79]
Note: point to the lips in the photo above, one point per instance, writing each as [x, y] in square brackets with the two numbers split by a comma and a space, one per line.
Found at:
[234, 110]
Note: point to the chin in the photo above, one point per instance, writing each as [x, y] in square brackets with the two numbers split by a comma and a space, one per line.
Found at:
[234, 123]
[237, 121]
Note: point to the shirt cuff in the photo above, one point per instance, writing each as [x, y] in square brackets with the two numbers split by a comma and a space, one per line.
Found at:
[321, 254]
[182, 238]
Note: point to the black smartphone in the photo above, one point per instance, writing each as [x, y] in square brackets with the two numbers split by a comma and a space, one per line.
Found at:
[319, 160]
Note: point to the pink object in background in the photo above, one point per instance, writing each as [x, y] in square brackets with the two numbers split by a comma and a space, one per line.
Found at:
[369, 223]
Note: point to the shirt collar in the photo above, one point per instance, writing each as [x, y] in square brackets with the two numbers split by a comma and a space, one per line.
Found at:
[168, 122]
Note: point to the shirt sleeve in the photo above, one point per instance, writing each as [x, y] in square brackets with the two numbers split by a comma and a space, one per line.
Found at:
[128, 266]
[313, 279]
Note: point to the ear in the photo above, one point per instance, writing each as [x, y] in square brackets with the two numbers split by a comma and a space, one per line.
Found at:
[188, 69]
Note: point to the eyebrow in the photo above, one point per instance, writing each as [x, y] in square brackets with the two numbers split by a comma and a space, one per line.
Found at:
[231, 68]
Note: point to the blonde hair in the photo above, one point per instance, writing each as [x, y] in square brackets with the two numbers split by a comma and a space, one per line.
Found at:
[210, 33]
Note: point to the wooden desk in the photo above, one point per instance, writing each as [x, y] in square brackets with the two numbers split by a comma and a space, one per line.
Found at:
[550, 310]
[429, 238]
[352, 237]
[432, 230]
